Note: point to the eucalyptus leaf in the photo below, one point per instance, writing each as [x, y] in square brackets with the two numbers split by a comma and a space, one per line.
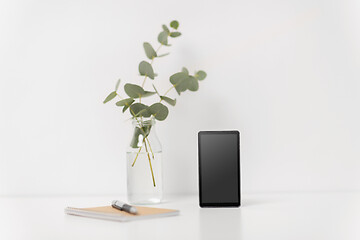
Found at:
[175, 34]
[179, 80]
[192, 83]
[140, 112]
[159, 110]
[149, 50]
[145, 69]
[135, 139]
[147, 94]
[111, 96]
[125, 102]
[125, 108]
[133, 90]
[137, 107]
[184, 69]
[165, 28]
[174, 24]
[170, 101]
[163, 55]
[117, 85]
[200, 75]
[163, 38]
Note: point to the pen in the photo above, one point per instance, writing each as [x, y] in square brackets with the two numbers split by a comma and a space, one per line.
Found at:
[124, 207]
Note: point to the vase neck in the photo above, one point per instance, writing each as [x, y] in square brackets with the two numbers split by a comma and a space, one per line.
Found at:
[143, 122]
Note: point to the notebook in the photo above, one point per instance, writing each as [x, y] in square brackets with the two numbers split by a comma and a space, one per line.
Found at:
[110, 213]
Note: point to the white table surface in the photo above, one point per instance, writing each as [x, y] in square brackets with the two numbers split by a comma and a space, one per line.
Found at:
[261, 216]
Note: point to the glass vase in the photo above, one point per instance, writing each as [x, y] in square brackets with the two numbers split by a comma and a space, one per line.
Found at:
[144, 164]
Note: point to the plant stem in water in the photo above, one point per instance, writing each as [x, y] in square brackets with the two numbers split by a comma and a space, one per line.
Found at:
[152, 153]
[152, 173]
[137, 154]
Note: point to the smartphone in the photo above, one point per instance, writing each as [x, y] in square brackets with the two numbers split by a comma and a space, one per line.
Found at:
[219, 168]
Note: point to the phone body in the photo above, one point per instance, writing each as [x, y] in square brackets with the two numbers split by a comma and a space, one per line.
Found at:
[219, 168]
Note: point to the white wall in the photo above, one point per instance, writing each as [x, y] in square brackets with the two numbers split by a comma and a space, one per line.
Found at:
[285, 73]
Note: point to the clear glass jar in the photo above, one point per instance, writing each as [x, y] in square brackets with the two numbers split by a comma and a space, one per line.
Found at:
[144, 164]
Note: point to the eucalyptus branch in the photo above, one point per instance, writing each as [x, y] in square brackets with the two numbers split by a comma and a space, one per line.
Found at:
[181, 81]
[152, 60]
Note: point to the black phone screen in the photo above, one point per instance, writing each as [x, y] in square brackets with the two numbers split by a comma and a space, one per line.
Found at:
[219, 168]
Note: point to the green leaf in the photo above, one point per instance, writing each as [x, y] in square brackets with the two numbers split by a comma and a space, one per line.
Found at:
[174, 24]
[145, 69]
[147, 94]
[137, 107]
[159, 110]
[110, 96]
[125, 108]
[200, 75]
[166, 29]
[133, 91]
[117, 85]
[149, 50]
[175, 34]
[163, 38]
[179, 80]
[140, 112]
[163, 55]
[192, 83]
[170, 101]
[184, 69]
[135, 139]
[125, 102]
